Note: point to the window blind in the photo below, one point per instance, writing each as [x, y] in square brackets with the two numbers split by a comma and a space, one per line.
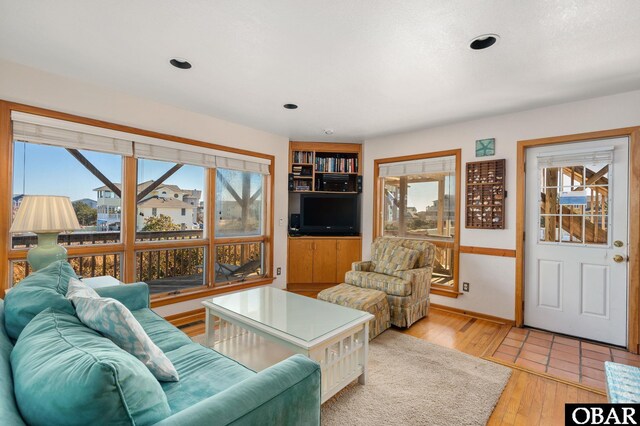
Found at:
[575, 158]
[50, 131]
[426, 166]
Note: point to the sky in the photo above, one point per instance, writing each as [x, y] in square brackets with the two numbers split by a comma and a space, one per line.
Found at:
[423, 194]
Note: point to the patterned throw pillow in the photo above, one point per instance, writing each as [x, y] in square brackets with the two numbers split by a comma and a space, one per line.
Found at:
[112, 319]
[396, 258]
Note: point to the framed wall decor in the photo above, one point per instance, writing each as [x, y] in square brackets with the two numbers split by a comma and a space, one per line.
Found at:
[485, 147]
[485, 194]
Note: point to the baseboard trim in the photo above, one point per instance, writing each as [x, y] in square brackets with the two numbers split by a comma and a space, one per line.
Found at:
[479, 315]
[184, 318]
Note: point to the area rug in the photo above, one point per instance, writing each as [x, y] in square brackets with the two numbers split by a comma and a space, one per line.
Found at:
[413, 382]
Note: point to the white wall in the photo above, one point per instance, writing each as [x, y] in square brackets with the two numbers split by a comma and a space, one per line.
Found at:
[33, 87]
[492, 278]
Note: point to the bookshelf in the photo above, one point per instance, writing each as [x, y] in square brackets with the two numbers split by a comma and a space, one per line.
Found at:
[318, 262]
[324, 167]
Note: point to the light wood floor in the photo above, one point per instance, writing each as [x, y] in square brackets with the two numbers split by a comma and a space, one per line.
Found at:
[528, 399]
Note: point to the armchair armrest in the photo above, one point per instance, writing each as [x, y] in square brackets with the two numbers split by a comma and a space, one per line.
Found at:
[287, 393]
[420, 279]
[365, 266]
[133, 296]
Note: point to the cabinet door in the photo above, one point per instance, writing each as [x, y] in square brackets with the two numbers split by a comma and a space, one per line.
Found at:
[300, 261]
[324, 261]
[348, 251]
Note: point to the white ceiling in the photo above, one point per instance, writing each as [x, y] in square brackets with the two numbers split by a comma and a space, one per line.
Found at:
[361, 67]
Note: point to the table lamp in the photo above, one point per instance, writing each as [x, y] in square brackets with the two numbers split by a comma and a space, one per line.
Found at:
[46, 216]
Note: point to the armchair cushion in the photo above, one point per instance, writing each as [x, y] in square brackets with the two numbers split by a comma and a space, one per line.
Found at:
[389, 284]
[395, 258]
[425, 248]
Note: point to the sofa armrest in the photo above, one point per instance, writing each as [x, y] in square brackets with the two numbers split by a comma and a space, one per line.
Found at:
[420, 279]
[362, 266]
[133, 296]
[287, 393]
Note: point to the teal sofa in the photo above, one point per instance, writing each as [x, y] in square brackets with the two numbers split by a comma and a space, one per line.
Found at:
[59, 371]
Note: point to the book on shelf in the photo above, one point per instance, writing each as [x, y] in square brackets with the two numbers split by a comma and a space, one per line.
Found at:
[302, 157]
[336, 164]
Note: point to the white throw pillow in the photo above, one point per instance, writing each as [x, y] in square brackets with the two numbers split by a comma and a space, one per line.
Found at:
[113, 320]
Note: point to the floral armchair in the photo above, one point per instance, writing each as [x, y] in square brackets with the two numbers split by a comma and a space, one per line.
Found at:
[401, 268]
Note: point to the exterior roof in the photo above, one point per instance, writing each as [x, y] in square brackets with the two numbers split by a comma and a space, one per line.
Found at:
[165, 203]
[142, 186]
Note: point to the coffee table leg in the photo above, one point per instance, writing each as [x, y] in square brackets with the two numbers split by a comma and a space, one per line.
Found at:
[210, 324]
[364, 356]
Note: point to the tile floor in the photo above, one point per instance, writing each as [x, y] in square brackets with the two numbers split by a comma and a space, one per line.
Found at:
[567, 358]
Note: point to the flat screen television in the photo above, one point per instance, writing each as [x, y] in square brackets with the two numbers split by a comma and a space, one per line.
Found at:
[329, 214]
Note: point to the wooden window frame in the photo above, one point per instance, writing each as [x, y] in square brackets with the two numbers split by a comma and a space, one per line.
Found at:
[455, 245]
[127, 247]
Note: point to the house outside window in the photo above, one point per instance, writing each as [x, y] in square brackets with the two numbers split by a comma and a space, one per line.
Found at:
[416, 197]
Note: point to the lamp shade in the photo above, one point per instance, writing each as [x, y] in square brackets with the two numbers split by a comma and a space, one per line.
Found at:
[45, 214]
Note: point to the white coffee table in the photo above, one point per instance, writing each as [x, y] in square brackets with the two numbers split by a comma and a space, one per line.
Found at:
[262, 326]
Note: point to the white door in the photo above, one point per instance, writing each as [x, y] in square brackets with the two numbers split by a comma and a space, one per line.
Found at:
[576, 236]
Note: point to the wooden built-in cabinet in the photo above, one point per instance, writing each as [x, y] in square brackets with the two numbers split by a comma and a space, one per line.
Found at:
[316, 263]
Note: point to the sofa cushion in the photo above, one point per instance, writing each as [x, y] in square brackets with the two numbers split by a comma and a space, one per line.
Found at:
[389, 284]
[66, 373]
[40, 290]
[203, 373]
[113, 320]
[161, 332]
[395, 258]
[9, 414]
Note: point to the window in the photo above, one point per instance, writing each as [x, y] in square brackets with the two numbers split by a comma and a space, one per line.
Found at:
[417, 198]
[52, 170]
[168, 243]
[239, 213]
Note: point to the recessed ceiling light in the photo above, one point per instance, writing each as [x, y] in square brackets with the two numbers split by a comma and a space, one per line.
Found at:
[484, 41]
[290, 106]
[328, 131]
[183, 64]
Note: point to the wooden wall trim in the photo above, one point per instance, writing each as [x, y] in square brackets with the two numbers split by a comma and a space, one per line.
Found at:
[185, 318]
[633, 133]
[488, 251]
[473, 314]
[212, 291]
[6, 191]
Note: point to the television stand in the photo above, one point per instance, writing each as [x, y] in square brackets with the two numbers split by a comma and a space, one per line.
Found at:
[319, 262]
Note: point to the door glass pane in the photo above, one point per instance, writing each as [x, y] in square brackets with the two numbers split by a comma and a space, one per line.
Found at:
[574, 204]
[549, 228]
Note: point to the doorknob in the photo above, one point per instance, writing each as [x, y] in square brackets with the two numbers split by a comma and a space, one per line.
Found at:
[618, 258]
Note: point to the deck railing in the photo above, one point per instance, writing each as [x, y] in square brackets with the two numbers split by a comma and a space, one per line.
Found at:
[86, 238]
